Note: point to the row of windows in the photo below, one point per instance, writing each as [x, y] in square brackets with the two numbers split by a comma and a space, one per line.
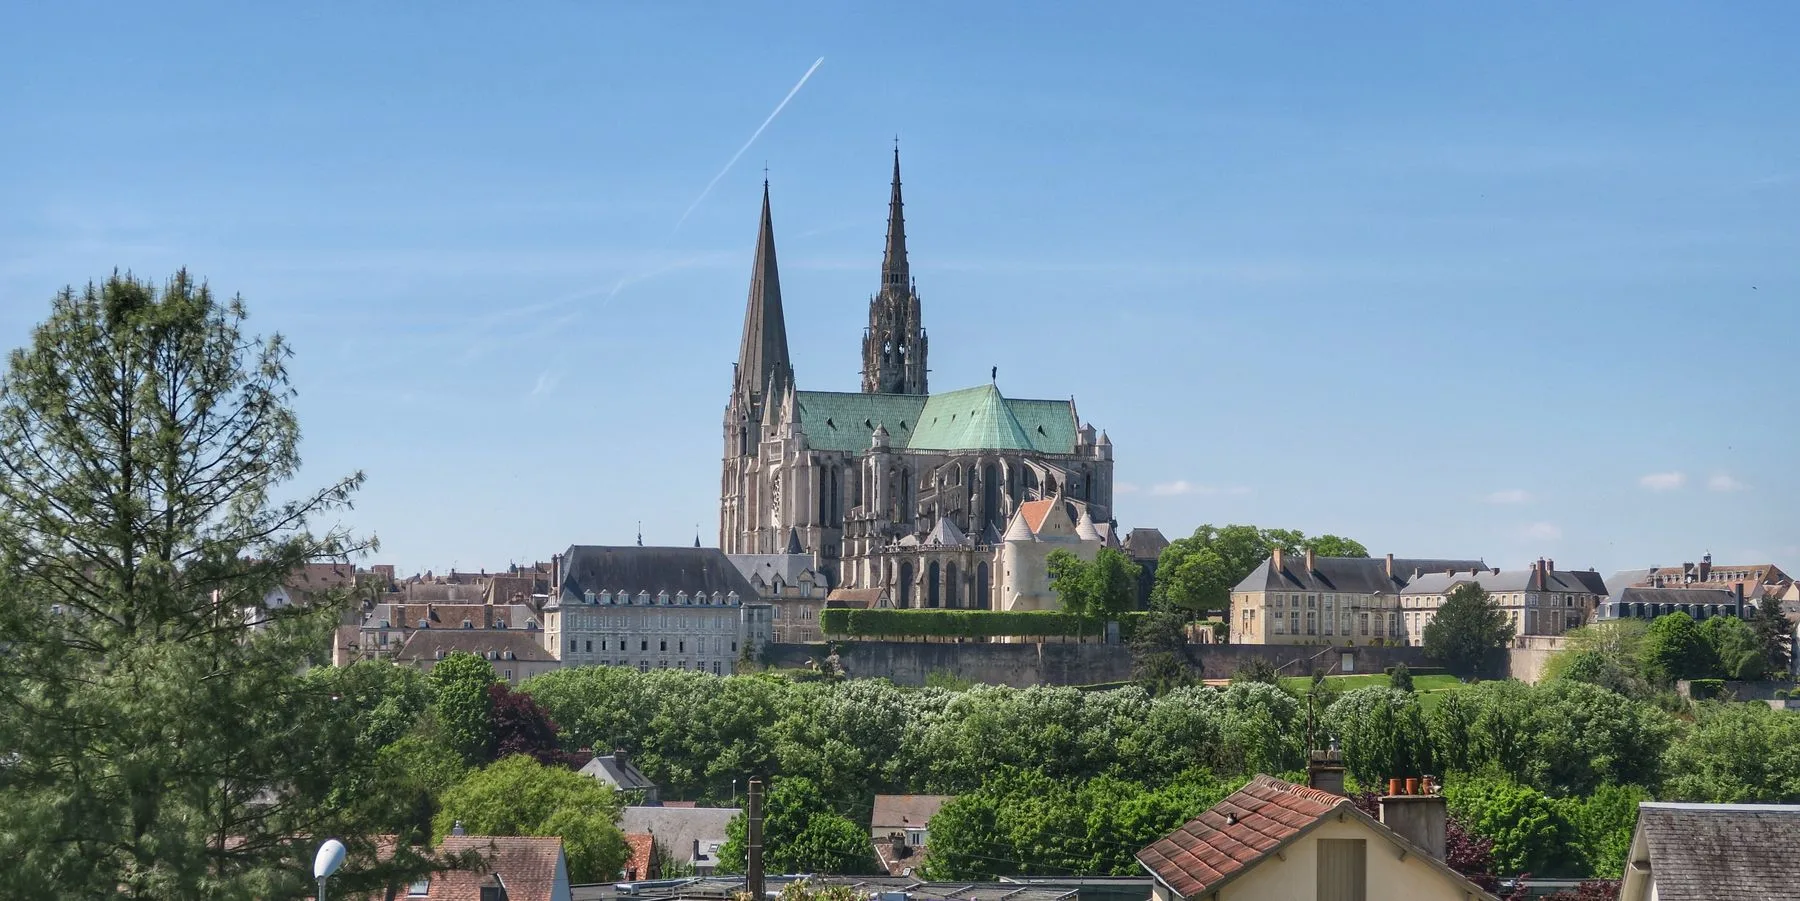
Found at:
[1334, 624]
[663, 599]
[662, 644]
[653, 621]
[644, 665]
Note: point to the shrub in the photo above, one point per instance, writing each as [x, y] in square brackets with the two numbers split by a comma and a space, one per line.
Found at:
[963, 623]
[1701, 689]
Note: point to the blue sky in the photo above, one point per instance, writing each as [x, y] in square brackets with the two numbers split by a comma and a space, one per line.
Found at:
[1454, 281]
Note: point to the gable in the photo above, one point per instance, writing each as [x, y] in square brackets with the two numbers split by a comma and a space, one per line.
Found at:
[1387, 872]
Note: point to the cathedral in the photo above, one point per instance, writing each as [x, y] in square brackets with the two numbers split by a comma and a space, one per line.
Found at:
[940, 500]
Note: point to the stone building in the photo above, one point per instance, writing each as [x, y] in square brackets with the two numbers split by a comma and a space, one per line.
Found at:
[1306, 599]
[653, 608]
[1039, 529]
[891, 487]
[1542, 600]
[794, 592]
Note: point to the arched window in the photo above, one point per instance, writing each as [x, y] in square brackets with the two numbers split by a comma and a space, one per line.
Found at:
[906, 584]
[992, 515]
[932, 587]
[982, 600]
[952, 587]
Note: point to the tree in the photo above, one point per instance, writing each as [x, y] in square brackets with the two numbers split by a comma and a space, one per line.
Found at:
[802, 833]
[1161, 657]
[1607, 654]
[1737, 647]
[1530, 834]
[519, 796]
[461, 705]
[1469, 632]
[1093, 590]
[1255, 669]
[1775, 633]
[1198, 572]
[1736, 754]
[1400, 678]
[1675, 648]
[1382, 733]
[154, 703]
[1604, 822]
[517, 725]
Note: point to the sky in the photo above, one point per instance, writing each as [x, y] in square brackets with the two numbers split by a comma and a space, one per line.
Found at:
[1455, 280]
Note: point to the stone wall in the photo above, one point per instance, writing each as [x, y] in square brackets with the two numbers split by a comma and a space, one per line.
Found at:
[1068, 663]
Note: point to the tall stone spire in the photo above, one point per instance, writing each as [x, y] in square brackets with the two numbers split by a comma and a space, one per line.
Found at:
[763, 355]
[894, 345]
[894, 273]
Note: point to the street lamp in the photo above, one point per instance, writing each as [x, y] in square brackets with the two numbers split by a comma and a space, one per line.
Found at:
[326, 862]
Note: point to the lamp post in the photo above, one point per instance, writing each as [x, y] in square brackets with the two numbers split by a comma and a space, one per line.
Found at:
[326, 862]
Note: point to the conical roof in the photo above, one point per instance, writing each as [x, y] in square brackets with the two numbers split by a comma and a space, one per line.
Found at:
[1084, 527]
[947, 534]
[894, 270]
[1019, 530]
[763, 353]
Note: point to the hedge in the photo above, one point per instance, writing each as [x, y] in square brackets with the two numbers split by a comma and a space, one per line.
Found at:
[884, 623]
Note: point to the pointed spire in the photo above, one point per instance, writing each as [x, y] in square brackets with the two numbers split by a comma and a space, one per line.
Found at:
[793, 544]
[894, 271]
[763, 355]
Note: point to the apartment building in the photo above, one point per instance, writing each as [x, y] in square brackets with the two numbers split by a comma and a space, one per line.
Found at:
[1307, 599]
[653, 608]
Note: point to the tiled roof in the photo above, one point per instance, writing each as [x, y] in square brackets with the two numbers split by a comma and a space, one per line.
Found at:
[1035, 512]
[1718, 852]
[905, 811]
[620, 774]
[1145, 544]
[1358, 575]
[1636, 595]
[861, 598]
[1235, 833]
[529, 867]
[968, 419]
[493, 644]
[679, 828]
[641, 845]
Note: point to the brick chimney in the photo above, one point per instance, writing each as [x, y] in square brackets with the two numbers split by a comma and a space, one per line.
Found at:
[1325, 770]
[1275, 561]
[1417, 815]
[1390, 566]
[1310, 567]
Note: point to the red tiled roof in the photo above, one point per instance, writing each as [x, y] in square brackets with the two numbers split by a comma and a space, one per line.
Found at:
[527, 864]
[903, 811]
[1035, 512]
[1235, 833]
[638, 866]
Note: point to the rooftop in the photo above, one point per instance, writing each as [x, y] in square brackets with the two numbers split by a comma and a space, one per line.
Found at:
[1719, 852]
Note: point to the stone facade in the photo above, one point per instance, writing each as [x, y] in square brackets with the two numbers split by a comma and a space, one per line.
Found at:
[1310, 600]
[892, 487]
[653, 608]
[794, 592]
[1539, 601]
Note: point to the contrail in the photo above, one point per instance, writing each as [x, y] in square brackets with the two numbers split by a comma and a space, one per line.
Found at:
[754, 135]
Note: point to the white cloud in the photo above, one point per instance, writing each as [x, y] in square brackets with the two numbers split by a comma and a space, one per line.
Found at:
[546, 383]
[1724, 482]
[1663, 481]
[1125, 488]
[1181, 487]
[1543, 531]
[1509, 496]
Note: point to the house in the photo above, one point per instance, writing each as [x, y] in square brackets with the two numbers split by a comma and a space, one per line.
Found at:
[1275, 840]
[792, 586]
[642, 862]
[616, 770]
[516, 656]
[898, 826]
[690, 835]
[384, 627]
[653, 608]
[513, 868]
[1717, 852]
[1644, 602]
[1308, 599]
[1541, 600]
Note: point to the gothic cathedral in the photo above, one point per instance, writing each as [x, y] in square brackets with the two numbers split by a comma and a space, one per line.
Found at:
[941, 500]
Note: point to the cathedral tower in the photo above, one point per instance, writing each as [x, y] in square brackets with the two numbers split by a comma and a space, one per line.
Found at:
[894, 344]
[763, 378]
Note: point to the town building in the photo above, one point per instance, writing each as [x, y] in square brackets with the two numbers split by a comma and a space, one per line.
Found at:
[891, 487]
[688, 835]
[384, 628]
[1715, 852]
[1039, 529]
[516, 656]
[1307, 599]
[794, 591]
[1144, 546]
[1541, 600]
[513, 868]
[1754, 581]
[1278, 841]
[617, 770]
[899, 827]
[1638, 602]
[653, 608]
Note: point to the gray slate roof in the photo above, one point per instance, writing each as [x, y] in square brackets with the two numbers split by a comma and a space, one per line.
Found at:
[653, 569]
[1719, 852]
[1357, 575]
[620, 774]
[1676, 596]
[788, 566]
[677, 828]
[1507, 580]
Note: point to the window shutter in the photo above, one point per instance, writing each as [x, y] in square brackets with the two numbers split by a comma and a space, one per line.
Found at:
[1343, 869]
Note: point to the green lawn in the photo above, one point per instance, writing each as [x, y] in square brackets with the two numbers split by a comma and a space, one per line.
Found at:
[1421, 684]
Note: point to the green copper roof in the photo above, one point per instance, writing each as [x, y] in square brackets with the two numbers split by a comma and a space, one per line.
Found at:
[970, 419]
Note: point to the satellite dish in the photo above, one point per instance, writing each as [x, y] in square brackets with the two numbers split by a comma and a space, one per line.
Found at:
[329, 858]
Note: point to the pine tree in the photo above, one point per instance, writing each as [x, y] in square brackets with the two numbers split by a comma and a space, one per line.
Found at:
[160, 740]
[1775, 633]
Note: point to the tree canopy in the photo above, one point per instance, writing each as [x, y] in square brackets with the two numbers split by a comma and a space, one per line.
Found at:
[1198, 572]
[1469, 632]
[1092, 591]
[519, 796]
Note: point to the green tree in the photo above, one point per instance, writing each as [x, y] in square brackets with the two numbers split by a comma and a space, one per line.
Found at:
[1334, 546]
[1775, 633]
[1607, 654]
[1604, 822]
[1092, 591]
[802, 833]
[519, 796]
[1675, 648]
[1529, 831]
[1736, 754]
[1470, 632]
[1382, 733]
[1400, 678]
[1198, 572]
[1161, 657]
[460, 703]
[1736, 646]
[154, 703]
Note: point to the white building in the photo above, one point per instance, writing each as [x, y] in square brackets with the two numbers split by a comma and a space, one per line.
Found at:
[653, 608]
[1541, 600]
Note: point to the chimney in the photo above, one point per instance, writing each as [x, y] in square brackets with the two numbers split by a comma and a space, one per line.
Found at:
[1687, 573]
[1549, 568]
[1311, 561]
[1390, 566]
[1325, 770]
[1275, 560]
[1706, 567]
[1419, 818]
[620, 756]
[555, 575]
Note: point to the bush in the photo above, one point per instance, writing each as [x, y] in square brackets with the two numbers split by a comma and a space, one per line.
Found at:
[1702, 689]
[967, 623]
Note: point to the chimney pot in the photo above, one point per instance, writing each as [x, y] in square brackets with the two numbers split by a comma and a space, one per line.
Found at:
[1275, 559]
[1310, 560]
[1390, 566]
[1412, 786]
[1419, 819]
